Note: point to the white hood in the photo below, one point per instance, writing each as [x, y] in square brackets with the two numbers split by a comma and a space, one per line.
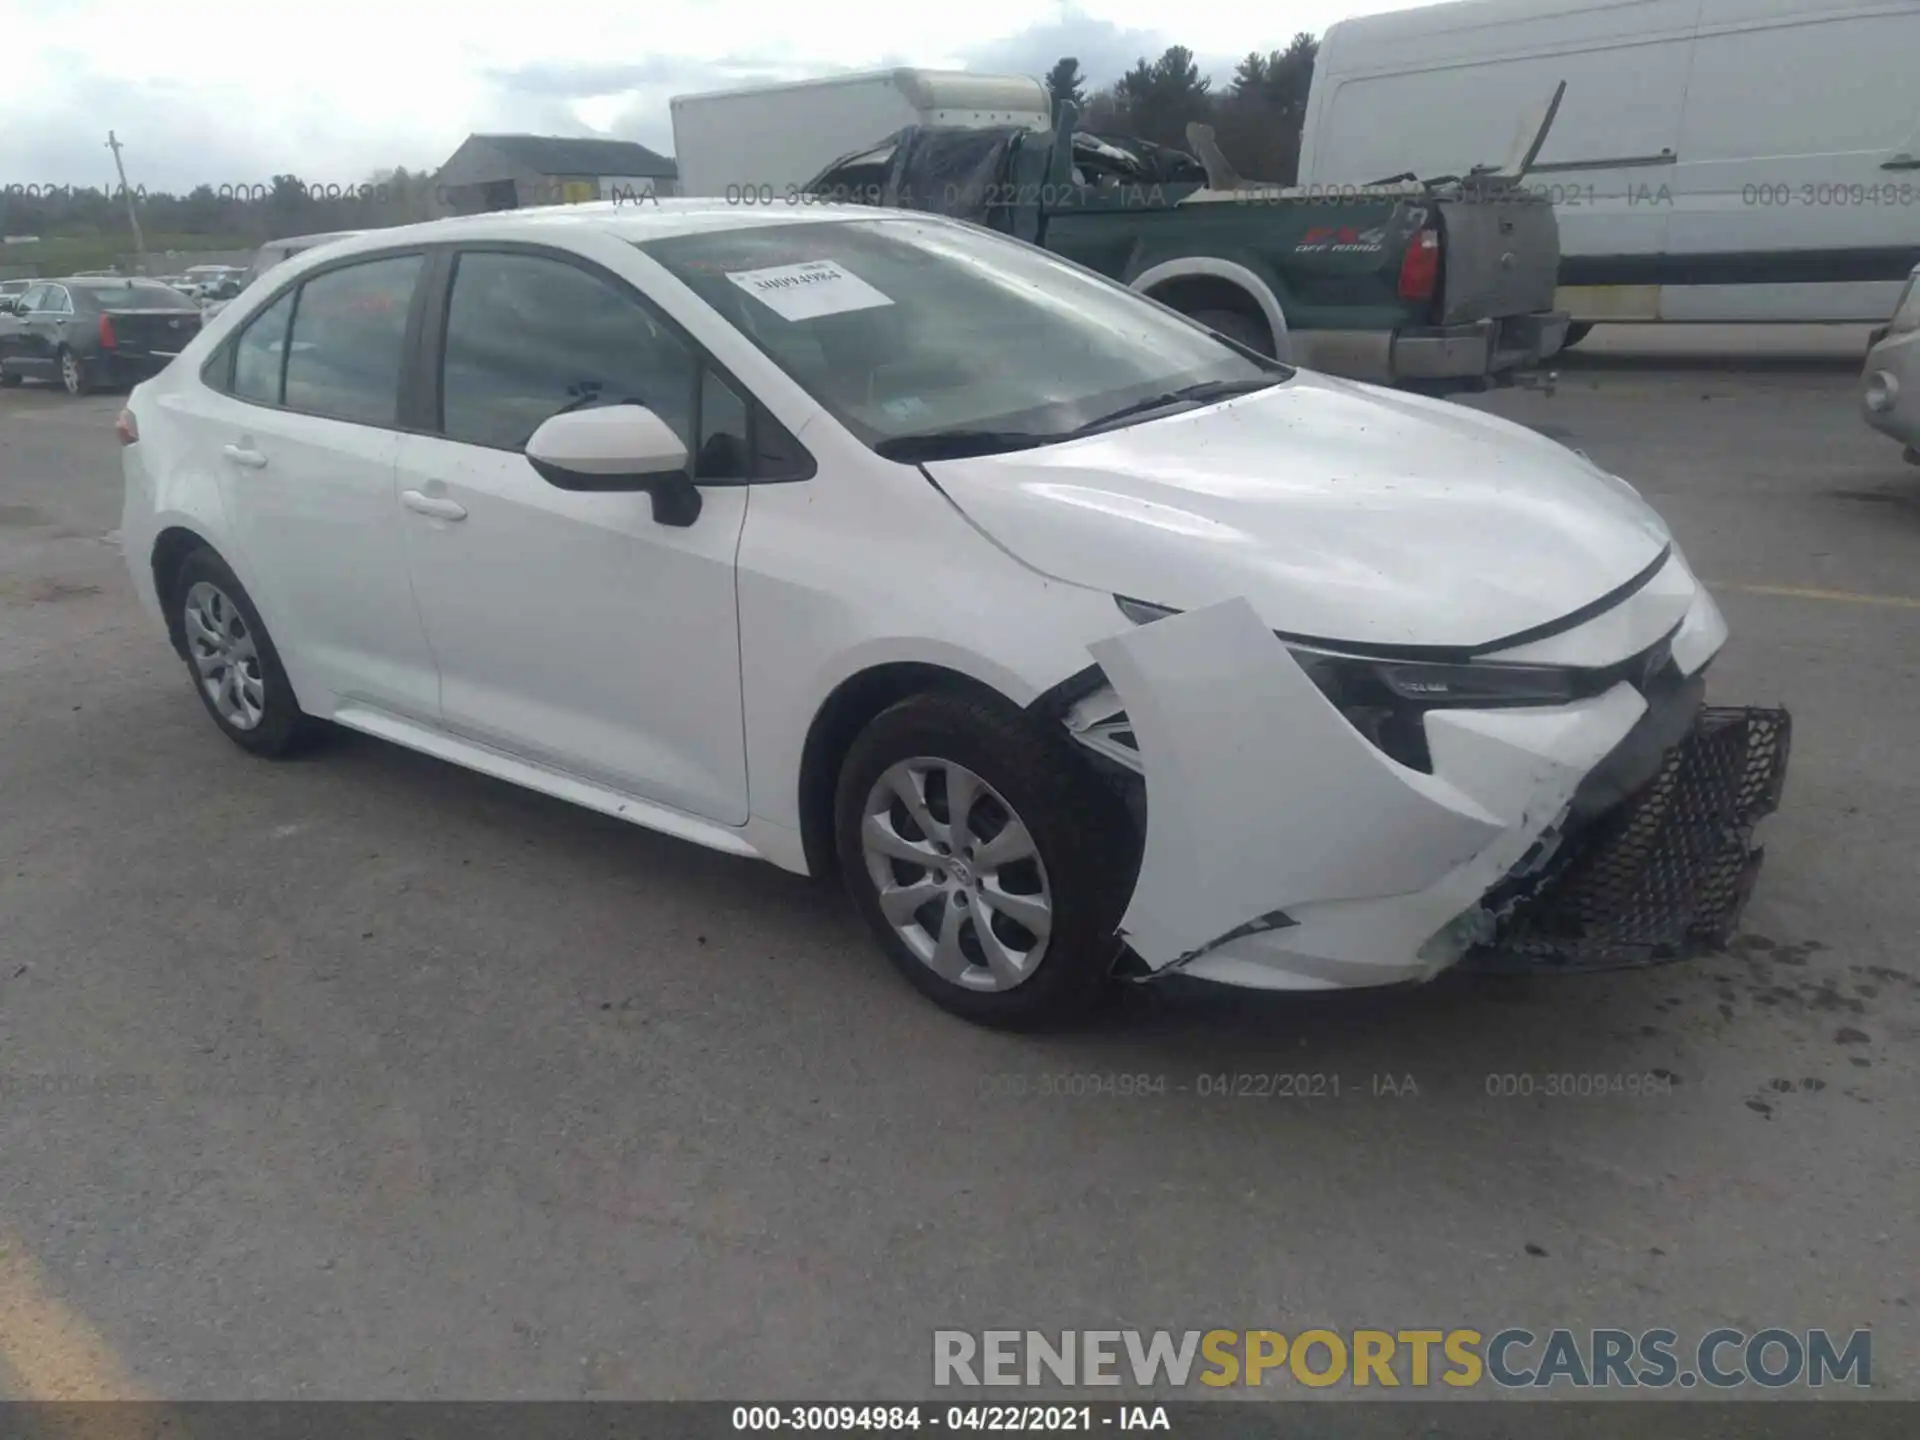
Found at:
[1338, 510]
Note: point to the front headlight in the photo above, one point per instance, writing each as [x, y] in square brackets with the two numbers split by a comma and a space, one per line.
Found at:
[1906, 314]
[1387, 700]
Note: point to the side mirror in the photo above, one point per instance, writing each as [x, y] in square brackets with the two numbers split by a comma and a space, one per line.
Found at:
[617, 448]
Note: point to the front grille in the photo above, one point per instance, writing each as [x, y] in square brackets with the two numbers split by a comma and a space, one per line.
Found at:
[1668, 871]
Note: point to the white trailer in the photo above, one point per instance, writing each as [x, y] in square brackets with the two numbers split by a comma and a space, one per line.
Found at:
[762, 143]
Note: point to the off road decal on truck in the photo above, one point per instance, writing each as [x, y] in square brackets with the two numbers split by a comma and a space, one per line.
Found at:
[1343, 240]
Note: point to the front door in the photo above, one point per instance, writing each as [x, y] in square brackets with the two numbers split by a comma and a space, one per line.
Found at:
[572, 629]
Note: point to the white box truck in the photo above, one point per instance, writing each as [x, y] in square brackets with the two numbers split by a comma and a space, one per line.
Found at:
[1713, 160]
[761, 144]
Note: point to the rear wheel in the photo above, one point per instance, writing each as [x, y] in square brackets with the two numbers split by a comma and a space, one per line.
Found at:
[75, 374]
[236, 671]
[1239, 327]
[990, 865]
[8, 378]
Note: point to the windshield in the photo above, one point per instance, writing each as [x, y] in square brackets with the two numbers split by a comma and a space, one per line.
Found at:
[905, 328]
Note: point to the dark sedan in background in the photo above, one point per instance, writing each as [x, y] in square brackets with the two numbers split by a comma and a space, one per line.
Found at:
[85, 332]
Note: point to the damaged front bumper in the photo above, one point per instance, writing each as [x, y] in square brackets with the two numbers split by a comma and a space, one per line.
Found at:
[1664, 873]
[1282, 850]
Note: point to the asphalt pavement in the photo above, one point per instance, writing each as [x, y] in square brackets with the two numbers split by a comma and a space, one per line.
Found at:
[364, 1076]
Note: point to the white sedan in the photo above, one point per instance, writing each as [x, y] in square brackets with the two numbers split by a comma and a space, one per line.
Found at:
[1081, 642]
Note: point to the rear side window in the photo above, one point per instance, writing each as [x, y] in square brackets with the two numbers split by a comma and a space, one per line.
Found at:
[528, 336]
[258, 353]
[348, 340]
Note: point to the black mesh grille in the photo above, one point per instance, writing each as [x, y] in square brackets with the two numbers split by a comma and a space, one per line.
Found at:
[1668, 871]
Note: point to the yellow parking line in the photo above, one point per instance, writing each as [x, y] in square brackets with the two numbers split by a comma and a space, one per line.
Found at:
[1844, 597]
[50, 1350]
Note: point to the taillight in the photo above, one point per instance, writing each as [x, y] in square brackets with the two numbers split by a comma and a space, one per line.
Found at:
[1420, 270]
[107, 342]
[126, 428]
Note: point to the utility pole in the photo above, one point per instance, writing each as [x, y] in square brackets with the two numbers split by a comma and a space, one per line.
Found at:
[139, 245]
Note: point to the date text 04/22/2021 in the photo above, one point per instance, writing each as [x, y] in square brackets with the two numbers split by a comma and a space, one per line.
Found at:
[909, 1419]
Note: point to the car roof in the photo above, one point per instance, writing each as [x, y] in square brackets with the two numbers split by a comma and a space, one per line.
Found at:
[630, 220]
[301, 242]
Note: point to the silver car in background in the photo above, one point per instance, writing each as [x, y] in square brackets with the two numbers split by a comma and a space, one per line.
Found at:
[1890, 382]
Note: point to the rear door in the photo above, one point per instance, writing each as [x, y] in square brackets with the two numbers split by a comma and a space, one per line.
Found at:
[301, 429]
[1793, 200]
[50, 328]
[1456, 93]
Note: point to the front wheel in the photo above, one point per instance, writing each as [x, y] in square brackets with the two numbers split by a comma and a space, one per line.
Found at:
[991, 865]
[8, 378]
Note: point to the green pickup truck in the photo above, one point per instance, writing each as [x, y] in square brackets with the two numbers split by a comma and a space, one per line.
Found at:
[1441, 285]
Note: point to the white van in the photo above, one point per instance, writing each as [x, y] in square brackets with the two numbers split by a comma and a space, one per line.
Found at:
[762, 144]
[1713, 160]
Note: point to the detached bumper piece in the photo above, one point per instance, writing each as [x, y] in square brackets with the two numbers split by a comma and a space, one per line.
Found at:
[1667, 872]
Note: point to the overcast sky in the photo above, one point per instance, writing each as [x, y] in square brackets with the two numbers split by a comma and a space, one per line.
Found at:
[233, 94]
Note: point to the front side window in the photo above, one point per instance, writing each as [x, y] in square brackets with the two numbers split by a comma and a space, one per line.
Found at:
[349, 339]
[33, 299]
[529, 336]
[259, 353]
[906, 328]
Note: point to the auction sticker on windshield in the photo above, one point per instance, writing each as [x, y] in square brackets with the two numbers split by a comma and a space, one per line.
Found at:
[808, 290]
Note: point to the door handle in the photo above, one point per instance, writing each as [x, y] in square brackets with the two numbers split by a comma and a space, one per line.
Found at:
[241, 455]
[1901, 162]
[437, 506]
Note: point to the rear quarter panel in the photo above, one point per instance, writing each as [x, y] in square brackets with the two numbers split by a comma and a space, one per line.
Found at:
[171, 480]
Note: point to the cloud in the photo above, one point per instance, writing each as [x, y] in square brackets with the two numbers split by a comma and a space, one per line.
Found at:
[1106, 51]
[230, 102]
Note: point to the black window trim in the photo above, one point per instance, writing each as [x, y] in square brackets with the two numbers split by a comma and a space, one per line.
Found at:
[422, 410]
[223, 357]
[228, 355]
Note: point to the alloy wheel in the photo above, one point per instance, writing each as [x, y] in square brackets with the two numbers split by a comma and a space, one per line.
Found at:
[225, 656]
[70, 372]
[957, 874]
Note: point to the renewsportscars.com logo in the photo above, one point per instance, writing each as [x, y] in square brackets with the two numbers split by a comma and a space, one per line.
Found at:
[1513, 1358]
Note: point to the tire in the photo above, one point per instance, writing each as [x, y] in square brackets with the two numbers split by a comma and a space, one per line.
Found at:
[1576, 332]
[1241, 328]
[1081, 868]
[263, 715]
[76, 376]
[8, 379]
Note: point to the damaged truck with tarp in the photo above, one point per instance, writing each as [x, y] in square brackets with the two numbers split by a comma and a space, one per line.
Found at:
[1440, 285]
